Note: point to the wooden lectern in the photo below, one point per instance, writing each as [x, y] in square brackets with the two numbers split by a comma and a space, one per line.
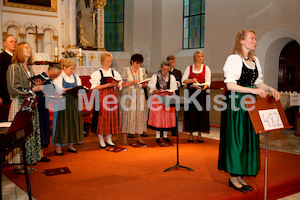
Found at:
[15, 136]
[266, 115]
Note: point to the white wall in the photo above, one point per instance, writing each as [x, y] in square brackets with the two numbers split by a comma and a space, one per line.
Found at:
[25, 18]
[225, 18]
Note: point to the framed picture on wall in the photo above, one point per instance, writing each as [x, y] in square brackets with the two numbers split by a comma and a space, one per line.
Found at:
[44, 5]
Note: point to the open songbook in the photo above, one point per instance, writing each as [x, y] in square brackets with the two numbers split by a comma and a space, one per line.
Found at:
[74, 91]
[198, 85]
[169, 90]
[144, 81]
[39, 76]
[112, 80]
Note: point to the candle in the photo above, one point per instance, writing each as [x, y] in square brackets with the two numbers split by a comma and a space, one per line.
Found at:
[80, 52]
[56, 51]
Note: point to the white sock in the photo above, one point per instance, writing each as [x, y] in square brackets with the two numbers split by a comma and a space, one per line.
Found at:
[101, 141]
[108, 140]
[165, 134]
[157, 134]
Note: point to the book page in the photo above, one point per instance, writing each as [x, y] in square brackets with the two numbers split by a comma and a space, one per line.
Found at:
[143, 81]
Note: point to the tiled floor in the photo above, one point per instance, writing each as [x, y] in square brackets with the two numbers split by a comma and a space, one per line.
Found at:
[284, 141]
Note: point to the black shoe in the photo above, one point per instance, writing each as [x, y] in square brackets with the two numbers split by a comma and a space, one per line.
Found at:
[166, 140]
[72, 151]
[200, 141]
[110, 145]
[102, 147]
[157, 140]
[44, 159]
[190, 141]
[241, 189]
[59, 154]
[248, 187]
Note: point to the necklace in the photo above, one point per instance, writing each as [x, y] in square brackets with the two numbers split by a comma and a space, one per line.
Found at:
[246, 59]
[134, 70]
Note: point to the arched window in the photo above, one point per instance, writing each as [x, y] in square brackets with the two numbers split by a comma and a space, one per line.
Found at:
[193, 24]
[114, 25]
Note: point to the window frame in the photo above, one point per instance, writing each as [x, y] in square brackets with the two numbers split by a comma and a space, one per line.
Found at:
[116, 33]
[189, 17]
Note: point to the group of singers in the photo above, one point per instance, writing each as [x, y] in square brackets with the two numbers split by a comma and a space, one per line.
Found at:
[132, 115]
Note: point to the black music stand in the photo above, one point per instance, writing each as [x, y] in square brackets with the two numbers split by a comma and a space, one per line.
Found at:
[170, 101]
[16, 135]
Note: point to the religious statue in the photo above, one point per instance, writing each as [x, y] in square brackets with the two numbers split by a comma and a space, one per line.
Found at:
[85, 25]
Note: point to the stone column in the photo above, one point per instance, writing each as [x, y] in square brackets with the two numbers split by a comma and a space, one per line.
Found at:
[71, 21]
[99, 10]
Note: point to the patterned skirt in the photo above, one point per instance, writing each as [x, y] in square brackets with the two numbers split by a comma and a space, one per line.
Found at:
[33, 141]
[161, 117]
[134, 112]
[109, 120]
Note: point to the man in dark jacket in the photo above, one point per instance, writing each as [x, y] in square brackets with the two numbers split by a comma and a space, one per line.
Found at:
[10, 44]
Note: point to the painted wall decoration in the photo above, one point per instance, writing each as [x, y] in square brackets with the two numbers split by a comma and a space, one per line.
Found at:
[45, 5]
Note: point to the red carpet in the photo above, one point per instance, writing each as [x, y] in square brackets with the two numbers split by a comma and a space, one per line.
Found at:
[138, 173]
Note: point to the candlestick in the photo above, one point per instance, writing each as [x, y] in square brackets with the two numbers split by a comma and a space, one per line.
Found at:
[80, 60]
[56, 51]
[56, 58]
[80, 52]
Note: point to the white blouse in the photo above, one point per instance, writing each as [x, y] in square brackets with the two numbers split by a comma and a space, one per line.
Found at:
[207, 74]
[233, 69]
[59, 83]
[153, 81]
[96, 77]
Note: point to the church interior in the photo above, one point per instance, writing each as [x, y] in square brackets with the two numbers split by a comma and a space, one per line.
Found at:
[85, 29]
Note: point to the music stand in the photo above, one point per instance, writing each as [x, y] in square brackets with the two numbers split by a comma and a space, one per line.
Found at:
[267, 115]
[15, 136]
[170, 101]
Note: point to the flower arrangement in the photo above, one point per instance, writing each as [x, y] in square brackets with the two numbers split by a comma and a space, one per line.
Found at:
[69, 54]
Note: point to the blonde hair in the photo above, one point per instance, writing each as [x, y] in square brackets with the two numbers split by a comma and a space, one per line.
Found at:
[196, 53]
[105, 55]
[19, 55]
[68, 63]
[237, 46]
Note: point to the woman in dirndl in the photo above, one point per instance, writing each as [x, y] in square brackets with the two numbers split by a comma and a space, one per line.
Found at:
[196, 118]
[67, 123]
[161, 84]
[239, 153]
[107, 81]
[19, 88]
[134, 109]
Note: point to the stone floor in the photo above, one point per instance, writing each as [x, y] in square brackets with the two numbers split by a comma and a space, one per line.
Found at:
[284, 141]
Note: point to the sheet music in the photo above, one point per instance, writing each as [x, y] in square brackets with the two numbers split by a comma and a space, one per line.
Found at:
[5, 124]
[143, 81]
